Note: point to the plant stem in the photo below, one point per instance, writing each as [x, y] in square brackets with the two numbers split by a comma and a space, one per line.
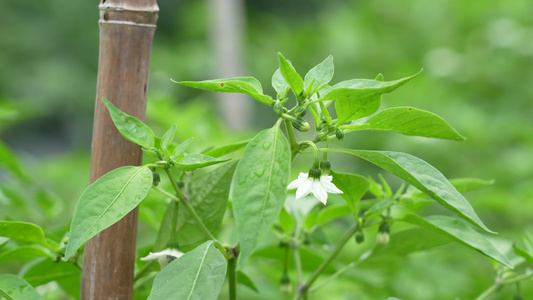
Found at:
[232, 276]
[297, 263]
[500, 283]
[333, 276]
[302, 290]
[292, 139]
[181, 198]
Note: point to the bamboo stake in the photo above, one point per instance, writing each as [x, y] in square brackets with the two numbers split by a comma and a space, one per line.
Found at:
[126, 33]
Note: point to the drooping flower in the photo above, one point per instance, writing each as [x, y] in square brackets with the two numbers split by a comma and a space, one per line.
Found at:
[163, 257]
[319, 186]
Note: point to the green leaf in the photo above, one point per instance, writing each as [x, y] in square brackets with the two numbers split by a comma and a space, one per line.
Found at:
[24, 253]
[409, 121]
[243, 85]
[409, 240]
[246, 281]
[330, 213]
[180, 149]
[198, 274]
[46, 271]
[208, 194]
[424, 177]
[358, 98]
[523, 253]
[353, 187]
[378, 207]
[288, 72]
[321, 74]
[191, 162]
[106, 201]
[260, 188]
[131, 128]
[220, 151]
[168, 137]
[167, 227]
[461, 232]
[279, 84]
[13, 287]
[26, 232]
[468, 184]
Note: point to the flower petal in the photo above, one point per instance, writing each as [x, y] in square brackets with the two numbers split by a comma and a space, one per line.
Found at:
[297, 182]
[320, 192]
[329, 186]
[304, 189]
[167, 252]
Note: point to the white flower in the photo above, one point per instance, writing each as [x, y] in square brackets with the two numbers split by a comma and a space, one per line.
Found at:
[163, 257]
[318, 187]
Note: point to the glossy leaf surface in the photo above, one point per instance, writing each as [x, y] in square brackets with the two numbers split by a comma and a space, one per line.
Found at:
[191, 162]
[260, 187]
[198, 274]
[292, 77]
[358, 98]
[208, 194]
[424, 177]
[354, 187]
[106, 201]
[409, 121]
[279, 84]
[461, 232]
[131, 128]
[13, 287]
[23, 231]
[243, 85]
[321, 74]
[226, 149]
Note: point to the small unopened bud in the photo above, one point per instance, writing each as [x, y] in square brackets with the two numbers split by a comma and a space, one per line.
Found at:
[155, 178]
[285, 284]
[359, 237]
[383, 238]
[300, 111]
[339, 134]
[278, 107]
[325, 166]
[301, 125]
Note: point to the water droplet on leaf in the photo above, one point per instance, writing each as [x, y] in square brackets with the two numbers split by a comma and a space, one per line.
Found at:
[259, 172]
[267, 145]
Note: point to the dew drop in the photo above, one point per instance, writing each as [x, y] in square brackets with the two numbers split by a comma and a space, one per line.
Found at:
[267, 145]
[259, 172]
[242, 180]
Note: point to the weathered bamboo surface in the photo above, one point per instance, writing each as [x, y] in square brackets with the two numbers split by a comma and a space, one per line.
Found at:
[126, 32]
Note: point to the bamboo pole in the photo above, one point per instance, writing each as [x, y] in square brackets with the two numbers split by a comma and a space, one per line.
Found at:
[126, 33]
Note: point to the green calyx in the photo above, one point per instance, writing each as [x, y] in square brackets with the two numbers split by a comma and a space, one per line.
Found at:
[315, 173]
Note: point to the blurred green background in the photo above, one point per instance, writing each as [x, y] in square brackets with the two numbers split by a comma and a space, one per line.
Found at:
[477, 58]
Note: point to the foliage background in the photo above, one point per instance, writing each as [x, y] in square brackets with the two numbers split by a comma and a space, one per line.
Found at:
[477, 59]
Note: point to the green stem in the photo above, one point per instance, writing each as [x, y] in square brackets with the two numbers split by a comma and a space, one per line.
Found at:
[333, 276]
[292, 139]
[302, 290]
[143, 271]
[297, 262]
[181, 198]
[500, 283]
[232, 276]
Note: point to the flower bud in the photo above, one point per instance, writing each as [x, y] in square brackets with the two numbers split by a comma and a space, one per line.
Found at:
[155, 178]
[285, 284]
[300, 111]
[325, 166]
[339, 134]
[359, 237]
[383, 238]
[301, 124]
[278, 107]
